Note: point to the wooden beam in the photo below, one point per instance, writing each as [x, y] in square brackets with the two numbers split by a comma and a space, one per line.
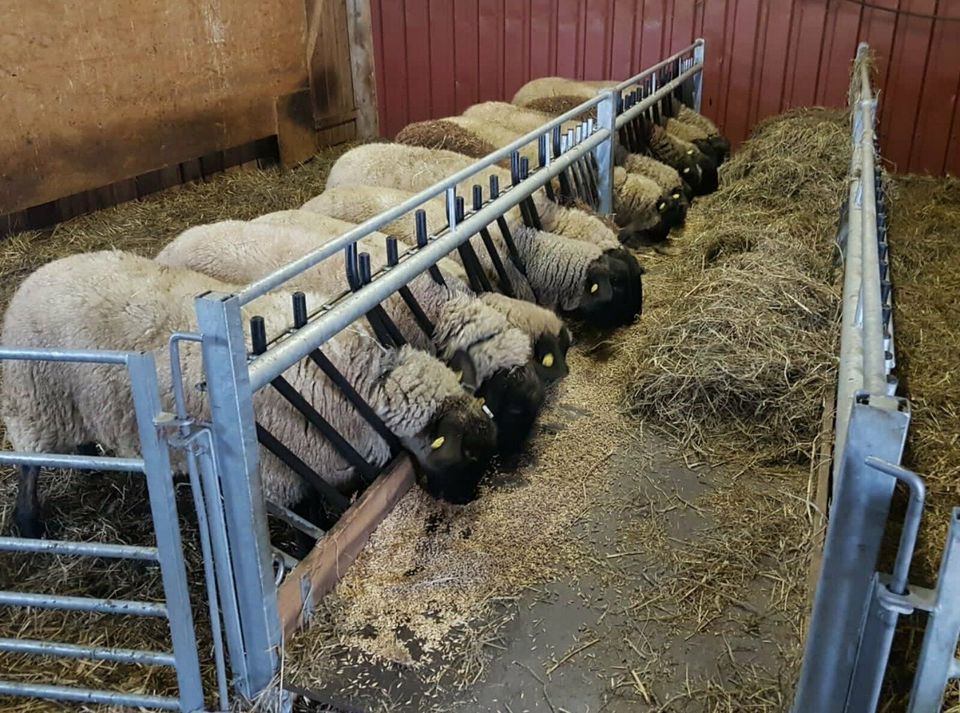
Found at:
[362, 67]
[320, 571]
[296, 135]
[821, 469]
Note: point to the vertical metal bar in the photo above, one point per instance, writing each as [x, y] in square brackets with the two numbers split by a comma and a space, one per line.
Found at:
[236, 450]
[878, 427]
[884, 610]
[936, 661]
[163, 508]
[607, 119]
[698, 54]
[207, 537]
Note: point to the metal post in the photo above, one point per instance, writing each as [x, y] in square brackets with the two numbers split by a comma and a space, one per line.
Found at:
[937, 663]
[878, 427]
[605, 151]
[698, 53]
[163, 508]
[235, 440]
[886, 605]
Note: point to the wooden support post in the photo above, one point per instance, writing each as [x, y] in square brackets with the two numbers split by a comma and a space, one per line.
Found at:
[318, 572]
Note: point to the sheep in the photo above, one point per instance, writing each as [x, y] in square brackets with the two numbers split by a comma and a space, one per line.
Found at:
[412, 168]
[557, 95]
[686, 115]
[679, 153]
[453, 308]
[696, 136]
[467, 331]
[639, 203]
[113, 300]
[524, 120]
[571, 276]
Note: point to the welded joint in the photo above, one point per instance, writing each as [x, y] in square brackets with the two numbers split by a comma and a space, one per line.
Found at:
[902, 604]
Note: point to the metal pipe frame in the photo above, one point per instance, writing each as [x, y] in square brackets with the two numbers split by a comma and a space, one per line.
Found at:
[96, 653]
[81, 549]
[88, 695]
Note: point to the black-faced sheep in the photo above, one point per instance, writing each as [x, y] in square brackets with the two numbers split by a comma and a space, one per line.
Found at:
[412, 168]
[464, 329]
[571, 276]
[557, 95]
[118, 301]
[640, 205]
[524, 120]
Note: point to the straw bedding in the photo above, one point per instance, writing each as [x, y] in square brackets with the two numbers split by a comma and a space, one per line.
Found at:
[738, 362]
[925, 253]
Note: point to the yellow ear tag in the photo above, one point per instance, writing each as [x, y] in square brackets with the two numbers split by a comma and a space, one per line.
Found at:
[459, 375]
[547, 361]
[676, 196]
[594, 287]
[689, 152]
[661, 206]
[686, 170]
[437, 443]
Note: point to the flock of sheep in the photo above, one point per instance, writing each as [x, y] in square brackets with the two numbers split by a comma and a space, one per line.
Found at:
[467, 371]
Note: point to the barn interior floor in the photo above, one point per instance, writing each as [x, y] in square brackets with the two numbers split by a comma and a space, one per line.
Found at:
[686, 593]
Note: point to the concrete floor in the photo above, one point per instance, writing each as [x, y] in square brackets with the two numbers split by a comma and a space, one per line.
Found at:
[606, 637]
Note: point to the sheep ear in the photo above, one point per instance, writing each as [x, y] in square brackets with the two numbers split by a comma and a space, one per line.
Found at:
[463, 365]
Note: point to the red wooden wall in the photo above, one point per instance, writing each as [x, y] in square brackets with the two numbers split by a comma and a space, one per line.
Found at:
[436, 57]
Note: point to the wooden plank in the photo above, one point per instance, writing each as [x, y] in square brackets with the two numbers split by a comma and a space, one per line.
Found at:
[621, 39]
[596, 46]
[742, 69]
[466, 55]
[490, 27]
[841, 36]
[820, 477]
[938, 101]
[362, 64]
[118, 88]
[335, 135]
[542, 44]
[567, 36]
[320, 571]
[328, 52]
[906, 80]
[296, 132]
[776, 49]
[804, 67]
[514, 48]
[443, 38]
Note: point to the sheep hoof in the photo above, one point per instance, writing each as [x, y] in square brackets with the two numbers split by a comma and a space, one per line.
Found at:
[28, 523]
[667, 249]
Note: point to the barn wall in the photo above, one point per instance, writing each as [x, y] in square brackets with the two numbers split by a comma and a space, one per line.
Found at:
[436, 57]
[137, 95]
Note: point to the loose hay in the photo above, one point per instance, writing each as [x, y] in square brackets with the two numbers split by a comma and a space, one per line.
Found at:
[742, 347]
[430, 570]
[925, 253]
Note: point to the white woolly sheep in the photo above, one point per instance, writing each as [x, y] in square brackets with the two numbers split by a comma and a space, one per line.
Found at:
[468, 334]
[412, 168]
[117, 301]
[563, 274]
[639, 202]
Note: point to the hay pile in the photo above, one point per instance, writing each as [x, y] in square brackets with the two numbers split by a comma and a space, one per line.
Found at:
[925, 253]
[740, 350]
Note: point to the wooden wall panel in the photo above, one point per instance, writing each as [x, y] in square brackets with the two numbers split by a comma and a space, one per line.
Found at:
[764, 56]
[115, 88]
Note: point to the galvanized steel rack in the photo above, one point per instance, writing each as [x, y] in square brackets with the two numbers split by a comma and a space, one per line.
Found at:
[856, 608]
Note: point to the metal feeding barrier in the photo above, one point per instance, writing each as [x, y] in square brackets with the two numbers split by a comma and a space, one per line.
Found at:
[856, 608]
[257, 594]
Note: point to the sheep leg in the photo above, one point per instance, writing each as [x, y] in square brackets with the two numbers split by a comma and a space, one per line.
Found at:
[26, 512]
